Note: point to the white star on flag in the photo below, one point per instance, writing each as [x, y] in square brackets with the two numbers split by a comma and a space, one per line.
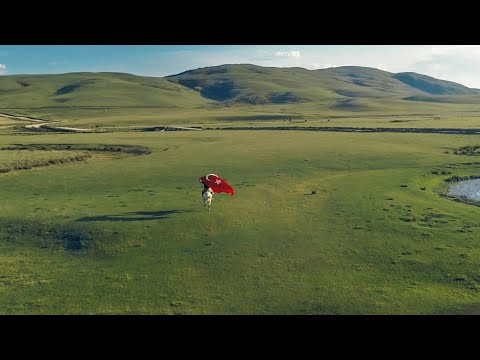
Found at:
[217, 181]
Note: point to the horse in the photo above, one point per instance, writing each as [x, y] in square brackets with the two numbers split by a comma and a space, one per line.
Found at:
[207, 196]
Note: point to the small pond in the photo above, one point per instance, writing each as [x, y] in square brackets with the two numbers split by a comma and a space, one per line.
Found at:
[469, 189]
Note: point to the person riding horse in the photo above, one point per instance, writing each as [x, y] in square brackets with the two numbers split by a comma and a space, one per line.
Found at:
[205, 188]
[207, 196]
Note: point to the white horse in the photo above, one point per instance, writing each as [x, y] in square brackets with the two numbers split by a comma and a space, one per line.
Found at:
[207, 196]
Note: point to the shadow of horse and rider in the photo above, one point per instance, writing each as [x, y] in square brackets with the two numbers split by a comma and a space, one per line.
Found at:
[150, 215]
[135, 216]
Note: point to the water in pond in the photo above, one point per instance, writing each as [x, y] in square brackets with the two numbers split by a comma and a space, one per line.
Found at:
[468, 188]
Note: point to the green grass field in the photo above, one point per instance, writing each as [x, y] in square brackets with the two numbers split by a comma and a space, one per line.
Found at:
[129, 235]
[112, 221]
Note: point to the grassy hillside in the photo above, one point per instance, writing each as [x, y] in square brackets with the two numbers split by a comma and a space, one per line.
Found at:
[244, 94]
[94, 90]
[256, 84]
[259, 85]
[356, 81]
[433, 86]
[225, 85]
[253, 84]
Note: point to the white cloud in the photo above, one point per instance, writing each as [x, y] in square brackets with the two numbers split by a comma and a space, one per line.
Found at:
[3, 69]
[458, 63]
[466, 50]
[289, 54]
[316, 66]
[382, 67]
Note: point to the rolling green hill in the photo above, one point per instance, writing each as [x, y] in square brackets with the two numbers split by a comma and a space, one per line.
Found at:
[94, 89]
[356, 81]
[227, 85]
[433, 86]
[260, 85]
[253, 84]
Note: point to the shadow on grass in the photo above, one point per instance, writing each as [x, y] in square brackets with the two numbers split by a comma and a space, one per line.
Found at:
[134, 216]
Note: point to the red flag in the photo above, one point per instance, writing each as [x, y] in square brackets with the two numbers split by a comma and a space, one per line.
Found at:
[218, 185]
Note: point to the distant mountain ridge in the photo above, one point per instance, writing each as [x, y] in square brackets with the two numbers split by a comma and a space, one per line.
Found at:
[340, 87]
[433, 86]
[256, 84]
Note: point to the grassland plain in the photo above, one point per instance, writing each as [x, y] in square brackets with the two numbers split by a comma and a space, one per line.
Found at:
[321, 223]
[128, 119]
[246, 94]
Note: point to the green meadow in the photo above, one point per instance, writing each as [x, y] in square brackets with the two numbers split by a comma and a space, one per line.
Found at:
[322, 222]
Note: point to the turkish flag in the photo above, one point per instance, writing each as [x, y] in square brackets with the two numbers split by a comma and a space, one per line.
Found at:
[218, 185]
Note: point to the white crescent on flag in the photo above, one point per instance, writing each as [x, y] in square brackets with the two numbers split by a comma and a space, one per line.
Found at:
[206, 177]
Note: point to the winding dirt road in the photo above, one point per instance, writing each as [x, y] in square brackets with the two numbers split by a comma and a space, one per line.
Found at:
[35, 126]
[38, 123]
[41, 123]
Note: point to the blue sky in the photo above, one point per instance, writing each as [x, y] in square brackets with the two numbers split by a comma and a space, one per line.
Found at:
[458, 63]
